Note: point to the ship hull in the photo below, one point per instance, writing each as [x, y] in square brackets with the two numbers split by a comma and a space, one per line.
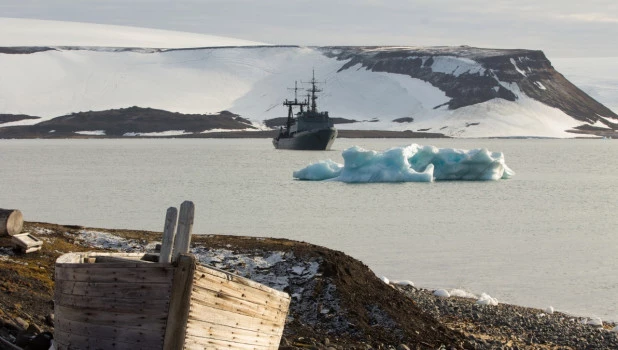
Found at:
[312, 140]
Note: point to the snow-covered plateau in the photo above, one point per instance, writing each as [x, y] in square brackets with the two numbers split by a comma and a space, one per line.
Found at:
[455, 91]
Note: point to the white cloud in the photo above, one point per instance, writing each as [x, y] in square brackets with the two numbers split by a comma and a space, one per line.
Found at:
[589, 17]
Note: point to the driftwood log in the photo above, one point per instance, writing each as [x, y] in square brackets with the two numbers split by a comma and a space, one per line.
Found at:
[11, 222]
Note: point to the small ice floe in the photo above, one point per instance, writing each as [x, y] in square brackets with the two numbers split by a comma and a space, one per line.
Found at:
[404, 283]
[595, 321]
[485, 299]
[385, 280]
[549, 310]
[412, 163]
[442, 293]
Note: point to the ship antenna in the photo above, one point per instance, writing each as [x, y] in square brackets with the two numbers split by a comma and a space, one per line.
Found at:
[295, 88]
[313, 91]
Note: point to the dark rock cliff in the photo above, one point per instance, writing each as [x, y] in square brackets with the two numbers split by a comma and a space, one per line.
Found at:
[497, 72]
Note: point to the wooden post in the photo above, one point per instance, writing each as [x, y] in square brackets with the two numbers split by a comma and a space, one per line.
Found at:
[168, 235]
[11, 222]
[183, 231]
[180, 302]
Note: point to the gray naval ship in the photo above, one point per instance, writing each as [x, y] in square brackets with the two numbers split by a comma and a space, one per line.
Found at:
[308, 129]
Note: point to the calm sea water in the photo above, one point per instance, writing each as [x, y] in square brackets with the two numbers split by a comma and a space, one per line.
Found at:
[548, 236]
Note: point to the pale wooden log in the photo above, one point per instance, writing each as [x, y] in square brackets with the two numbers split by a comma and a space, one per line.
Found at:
[168, 235]
[11, 222]
[180, 302]
[182, 240]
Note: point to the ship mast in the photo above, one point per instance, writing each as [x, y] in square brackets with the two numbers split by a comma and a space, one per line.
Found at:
[290, 104]
[313, 91]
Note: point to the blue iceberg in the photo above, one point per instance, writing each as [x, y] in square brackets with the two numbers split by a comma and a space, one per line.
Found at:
[413, 163]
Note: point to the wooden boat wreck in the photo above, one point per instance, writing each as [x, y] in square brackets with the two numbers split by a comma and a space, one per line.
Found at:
[162, 301]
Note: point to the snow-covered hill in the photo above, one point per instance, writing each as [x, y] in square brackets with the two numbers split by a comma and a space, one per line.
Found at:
[461, 91]
[34, 32]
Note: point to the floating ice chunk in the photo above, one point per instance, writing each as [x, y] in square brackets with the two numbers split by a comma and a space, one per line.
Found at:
[326, 169]
[549, 310]
[413, 163]
[595, 321]
[485, 299]
[385, 280]
[404, 283]
[442, 293]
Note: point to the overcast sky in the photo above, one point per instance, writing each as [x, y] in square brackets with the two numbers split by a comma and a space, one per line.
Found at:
[561, 28]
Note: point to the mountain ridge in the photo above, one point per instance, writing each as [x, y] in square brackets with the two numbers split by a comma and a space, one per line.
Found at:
[456, 91]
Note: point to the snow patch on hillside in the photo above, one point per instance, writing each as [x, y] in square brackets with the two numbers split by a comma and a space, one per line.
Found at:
[456, 66]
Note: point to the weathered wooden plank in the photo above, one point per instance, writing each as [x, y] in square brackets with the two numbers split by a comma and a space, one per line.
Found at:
[226, 333]
[182, 241]
[180, 303]
[75, 259]
[70, 341]
[235, 288]
[169, 231]
[136, 273]
[202, 300]
[111, 333]
[155, 291]
[98, 317]
[119, 260]
[241, 280]
[233, 319]
[197, 343]
[143, 306]
[26, 241]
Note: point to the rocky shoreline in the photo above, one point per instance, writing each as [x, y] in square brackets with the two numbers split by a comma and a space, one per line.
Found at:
[506, 326]
[338, 303]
